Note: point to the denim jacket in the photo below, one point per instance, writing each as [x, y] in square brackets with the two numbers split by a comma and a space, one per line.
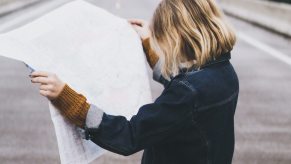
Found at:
[191, 122]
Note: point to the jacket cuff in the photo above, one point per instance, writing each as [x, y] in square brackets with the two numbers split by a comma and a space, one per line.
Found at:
[72, 105]
[93, 121]
[94, 117]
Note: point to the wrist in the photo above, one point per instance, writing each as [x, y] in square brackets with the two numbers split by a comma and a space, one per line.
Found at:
[59, 91]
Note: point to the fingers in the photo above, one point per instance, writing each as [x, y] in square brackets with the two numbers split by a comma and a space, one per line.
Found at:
[50, 85]
[137, 28]
[42, 77]
[46, 87]
[42, 80]
[40, 73]
[45, 93]
[138, 22]
[50, 91]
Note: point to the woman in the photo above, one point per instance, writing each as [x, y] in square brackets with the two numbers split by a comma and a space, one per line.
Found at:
[188, 45]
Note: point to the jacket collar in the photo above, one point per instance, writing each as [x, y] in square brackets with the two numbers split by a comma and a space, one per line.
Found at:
[222, 58]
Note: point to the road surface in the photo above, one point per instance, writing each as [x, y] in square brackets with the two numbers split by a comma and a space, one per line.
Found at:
[263, 118]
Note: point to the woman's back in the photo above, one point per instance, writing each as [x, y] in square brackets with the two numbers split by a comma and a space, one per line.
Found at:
[208, 135]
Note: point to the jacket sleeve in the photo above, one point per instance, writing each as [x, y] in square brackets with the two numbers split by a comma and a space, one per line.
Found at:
[152, 124]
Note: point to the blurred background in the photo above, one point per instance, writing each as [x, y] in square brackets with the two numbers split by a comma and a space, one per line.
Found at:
[262, 58]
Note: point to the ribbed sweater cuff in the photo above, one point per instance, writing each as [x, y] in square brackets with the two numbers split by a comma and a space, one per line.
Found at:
[146, 45]
[72, 105]
[151, 55]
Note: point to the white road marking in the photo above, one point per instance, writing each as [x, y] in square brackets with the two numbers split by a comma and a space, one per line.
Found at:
[264, 47]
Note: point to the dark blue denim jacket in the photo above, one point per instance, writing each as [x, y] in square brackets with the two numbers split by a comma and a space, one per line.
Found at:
[191, 122]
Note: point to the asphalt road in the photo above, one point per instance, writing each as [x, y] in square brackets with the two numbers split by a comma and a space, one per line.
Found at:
[263, 117]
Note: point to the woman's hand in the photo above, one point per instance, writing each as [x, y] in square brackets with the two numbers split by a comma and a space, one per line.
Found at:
[141, 27]
[50, 85]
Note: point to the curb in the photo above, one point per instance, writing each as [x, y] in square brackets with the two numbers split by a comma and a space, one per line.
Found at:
[273, 16]
[13, 6]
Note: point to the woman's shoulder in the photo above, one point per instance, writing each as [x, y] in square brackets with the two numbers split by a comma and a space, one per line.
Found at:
[212, 85]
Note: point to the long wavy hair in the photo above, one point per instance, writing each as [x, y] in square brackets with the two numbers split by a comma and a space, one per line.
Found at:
[188, 33]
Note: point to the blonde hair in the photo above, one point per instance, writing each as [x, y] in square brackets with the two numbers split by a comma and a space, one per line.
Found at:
[187, 33]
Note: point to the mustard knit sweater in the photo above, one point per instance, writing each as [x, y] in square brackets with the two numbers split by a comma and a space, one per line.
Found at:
[74, 106]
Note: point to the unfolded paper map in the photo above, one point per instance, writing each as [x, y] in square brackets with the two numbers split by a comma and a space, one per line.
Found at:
[96, 53]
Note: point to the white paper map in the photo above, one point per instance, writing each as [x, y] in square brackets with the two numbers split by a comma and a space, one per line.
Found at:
[96, 53]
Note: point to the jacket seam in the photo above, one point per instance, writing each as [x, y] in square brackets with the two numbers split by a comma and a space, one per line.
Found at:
[185, 83]
[230, 98]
